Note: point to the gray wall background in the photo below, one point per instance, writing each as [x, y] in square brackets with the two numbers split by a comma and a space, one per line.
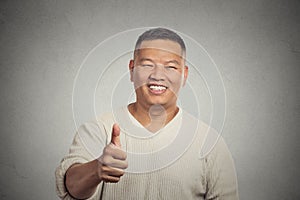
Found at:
[255, 44]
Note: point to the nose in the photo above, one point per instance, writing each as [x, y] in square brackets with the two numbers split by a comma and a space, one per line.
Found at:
[158, 73]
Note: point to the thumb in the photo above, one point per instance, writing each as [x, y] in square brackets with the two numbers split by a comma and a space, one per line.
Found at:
[115, 135]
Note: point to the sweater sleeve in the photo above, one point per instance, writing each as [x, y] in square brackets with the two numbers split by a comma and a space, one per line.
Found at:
[220, 173]
[87, 145]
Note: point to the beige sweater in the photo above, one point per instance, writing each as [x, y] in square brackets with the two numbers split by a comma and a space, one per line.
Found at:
[177, 162]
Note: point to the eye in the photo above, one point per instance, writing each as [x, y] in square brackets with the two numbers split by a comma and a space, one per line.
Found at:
[171, 67]
[147, 65]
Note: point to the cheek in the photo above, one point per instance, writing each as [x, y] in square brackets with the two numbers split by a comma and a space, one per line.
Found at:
[175, 82]
[139, 78]
[175, 78]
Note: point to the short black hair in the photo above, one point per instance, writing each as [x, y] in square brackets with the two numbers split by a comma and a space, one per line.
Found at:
[160, 33]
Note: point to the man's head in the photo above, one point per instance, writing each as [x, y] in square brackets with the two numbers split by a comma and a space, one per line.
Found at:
[160, 34]
[158, 69]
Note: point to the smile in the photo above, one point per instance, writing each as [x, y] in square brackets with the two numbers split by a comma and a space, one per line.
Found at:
[157, 89]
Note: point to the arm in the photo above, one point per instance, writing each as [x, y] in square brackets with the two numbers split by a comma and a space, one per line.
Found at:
[82, 179]
[221, 174]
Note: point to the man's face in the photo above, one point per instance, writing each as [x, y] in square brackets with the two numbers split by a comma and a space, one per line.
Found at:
[158, 71]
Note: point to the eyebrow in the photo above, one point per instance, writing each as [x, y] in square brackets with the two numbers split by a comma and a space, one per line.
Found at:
[146, 59]
[170, 61]
[173, 61]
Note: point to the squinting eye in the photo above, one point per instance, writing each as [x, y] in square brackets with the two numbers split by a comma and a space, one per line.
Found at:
[171, 67]
[147, 65]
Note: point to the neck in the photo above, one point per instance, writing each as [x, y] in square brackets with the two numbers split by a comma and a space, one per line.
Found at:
[153, 117]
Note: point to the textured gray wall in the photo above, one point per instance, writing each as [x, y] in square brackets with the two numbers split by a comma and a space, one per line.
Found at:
[255, 44]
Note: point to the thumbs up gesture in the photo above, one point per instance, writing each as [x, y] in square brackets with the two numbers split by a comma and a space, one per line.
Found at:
[112, 162]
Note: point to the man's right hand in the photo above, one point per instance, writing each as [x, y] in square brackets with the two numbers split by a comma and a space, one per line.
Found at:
[82, 179]
[112, 162]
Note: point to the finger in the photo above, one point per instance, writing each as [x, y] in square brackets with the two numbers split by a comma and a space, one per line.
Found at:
[121, 155]
[112, 171]
[120, 164]
[110, 174]
[111, 179]
[115, 163]
[116, 172]
[116, 153]
[115, 135]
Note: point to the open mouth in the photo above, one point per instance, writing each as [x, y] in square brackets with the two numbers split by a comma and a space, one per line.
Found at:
[157, 89]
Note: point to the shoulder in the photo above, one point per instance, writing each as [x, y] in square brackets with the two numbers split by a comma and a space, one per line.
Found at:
[208, 137]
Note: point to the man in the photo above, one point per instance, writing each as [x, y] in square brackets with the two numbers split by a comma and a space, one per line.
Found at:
[149, 149]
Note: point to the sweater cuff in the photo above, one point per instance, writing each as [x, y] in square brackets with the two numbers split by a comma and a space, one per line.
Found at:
[60, 173]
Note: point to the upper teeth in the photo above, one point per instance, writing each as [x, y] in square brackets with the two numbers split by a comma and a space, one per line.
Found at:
[157, 87]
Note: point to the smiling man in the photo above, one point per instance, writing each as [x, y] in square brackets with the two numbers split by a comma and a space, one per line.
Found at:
[157, 71]
[149, 149]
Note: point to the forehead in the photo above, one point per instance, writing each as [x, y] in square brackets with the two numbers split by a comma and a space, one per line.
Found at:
[166, 46]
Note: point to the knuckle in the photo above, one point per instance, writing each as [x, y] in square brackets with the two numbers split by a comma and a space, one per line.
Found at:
[122, 173]
[106, 160]
[124, 155]
[107, 150]
[119, 172]
[126, 164]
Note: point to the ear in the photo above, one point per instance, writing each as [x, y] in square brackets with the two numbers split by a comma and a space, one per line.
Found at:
[131, 66]
[185, 74]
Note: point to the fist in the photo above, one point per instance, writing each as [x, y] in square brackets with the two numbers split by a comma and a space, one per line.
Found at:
[112, 162]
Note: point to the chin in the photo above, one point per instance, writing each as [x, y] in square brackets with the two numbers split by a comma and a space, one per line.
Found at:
[164, 103]
[157, 103]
